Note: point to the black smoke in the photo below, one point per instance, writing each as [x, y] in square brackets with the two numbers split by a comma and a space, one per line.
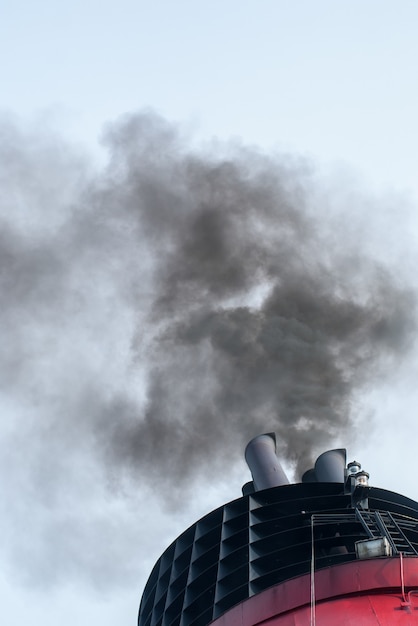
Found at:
[263, 321]
[159, 311]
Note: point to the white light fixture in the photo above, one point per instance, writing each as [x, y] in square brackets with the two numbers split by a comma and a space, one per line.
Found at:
[362, 478]
[373, 548]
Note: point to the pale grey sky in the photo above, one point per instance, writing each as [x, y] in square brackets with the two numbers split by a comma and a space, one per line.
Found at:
[333, 85]
[332, 79]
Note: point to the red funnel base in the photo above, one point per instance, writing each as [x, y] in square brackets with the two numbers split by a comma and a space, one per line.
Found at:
[375, 592]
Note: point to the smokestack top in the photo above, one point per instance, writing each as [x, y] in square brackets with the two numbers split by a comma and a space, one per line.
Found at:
[330, 466]
[267, 472]
[265, 467]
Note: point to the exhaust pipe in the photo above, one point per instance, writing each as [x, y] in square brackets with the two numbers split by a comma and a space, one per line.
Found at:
[330, 466]
[265, 467]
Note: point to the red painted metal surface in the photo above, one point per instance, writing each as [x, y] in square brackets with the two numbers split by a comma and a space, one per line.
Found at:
[375, 592]
[376, 610]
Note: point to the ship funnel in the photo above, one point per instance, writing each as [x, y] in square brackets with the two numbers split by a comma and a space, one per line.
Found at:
[330, 466]
[265, 467]
[309, 476]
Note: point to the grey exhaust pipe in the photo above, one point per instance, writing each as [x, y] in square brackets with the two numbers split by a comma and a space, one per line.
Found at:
[265, 467]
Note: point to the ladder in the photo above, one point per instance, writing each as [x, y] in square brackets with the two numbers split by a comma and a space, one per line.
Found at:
[382, 524]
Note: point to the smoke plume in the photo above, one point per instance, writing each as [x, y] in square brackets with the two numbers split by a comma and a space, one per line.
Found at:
[243, 315]
[159, 312]
[262, 321]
